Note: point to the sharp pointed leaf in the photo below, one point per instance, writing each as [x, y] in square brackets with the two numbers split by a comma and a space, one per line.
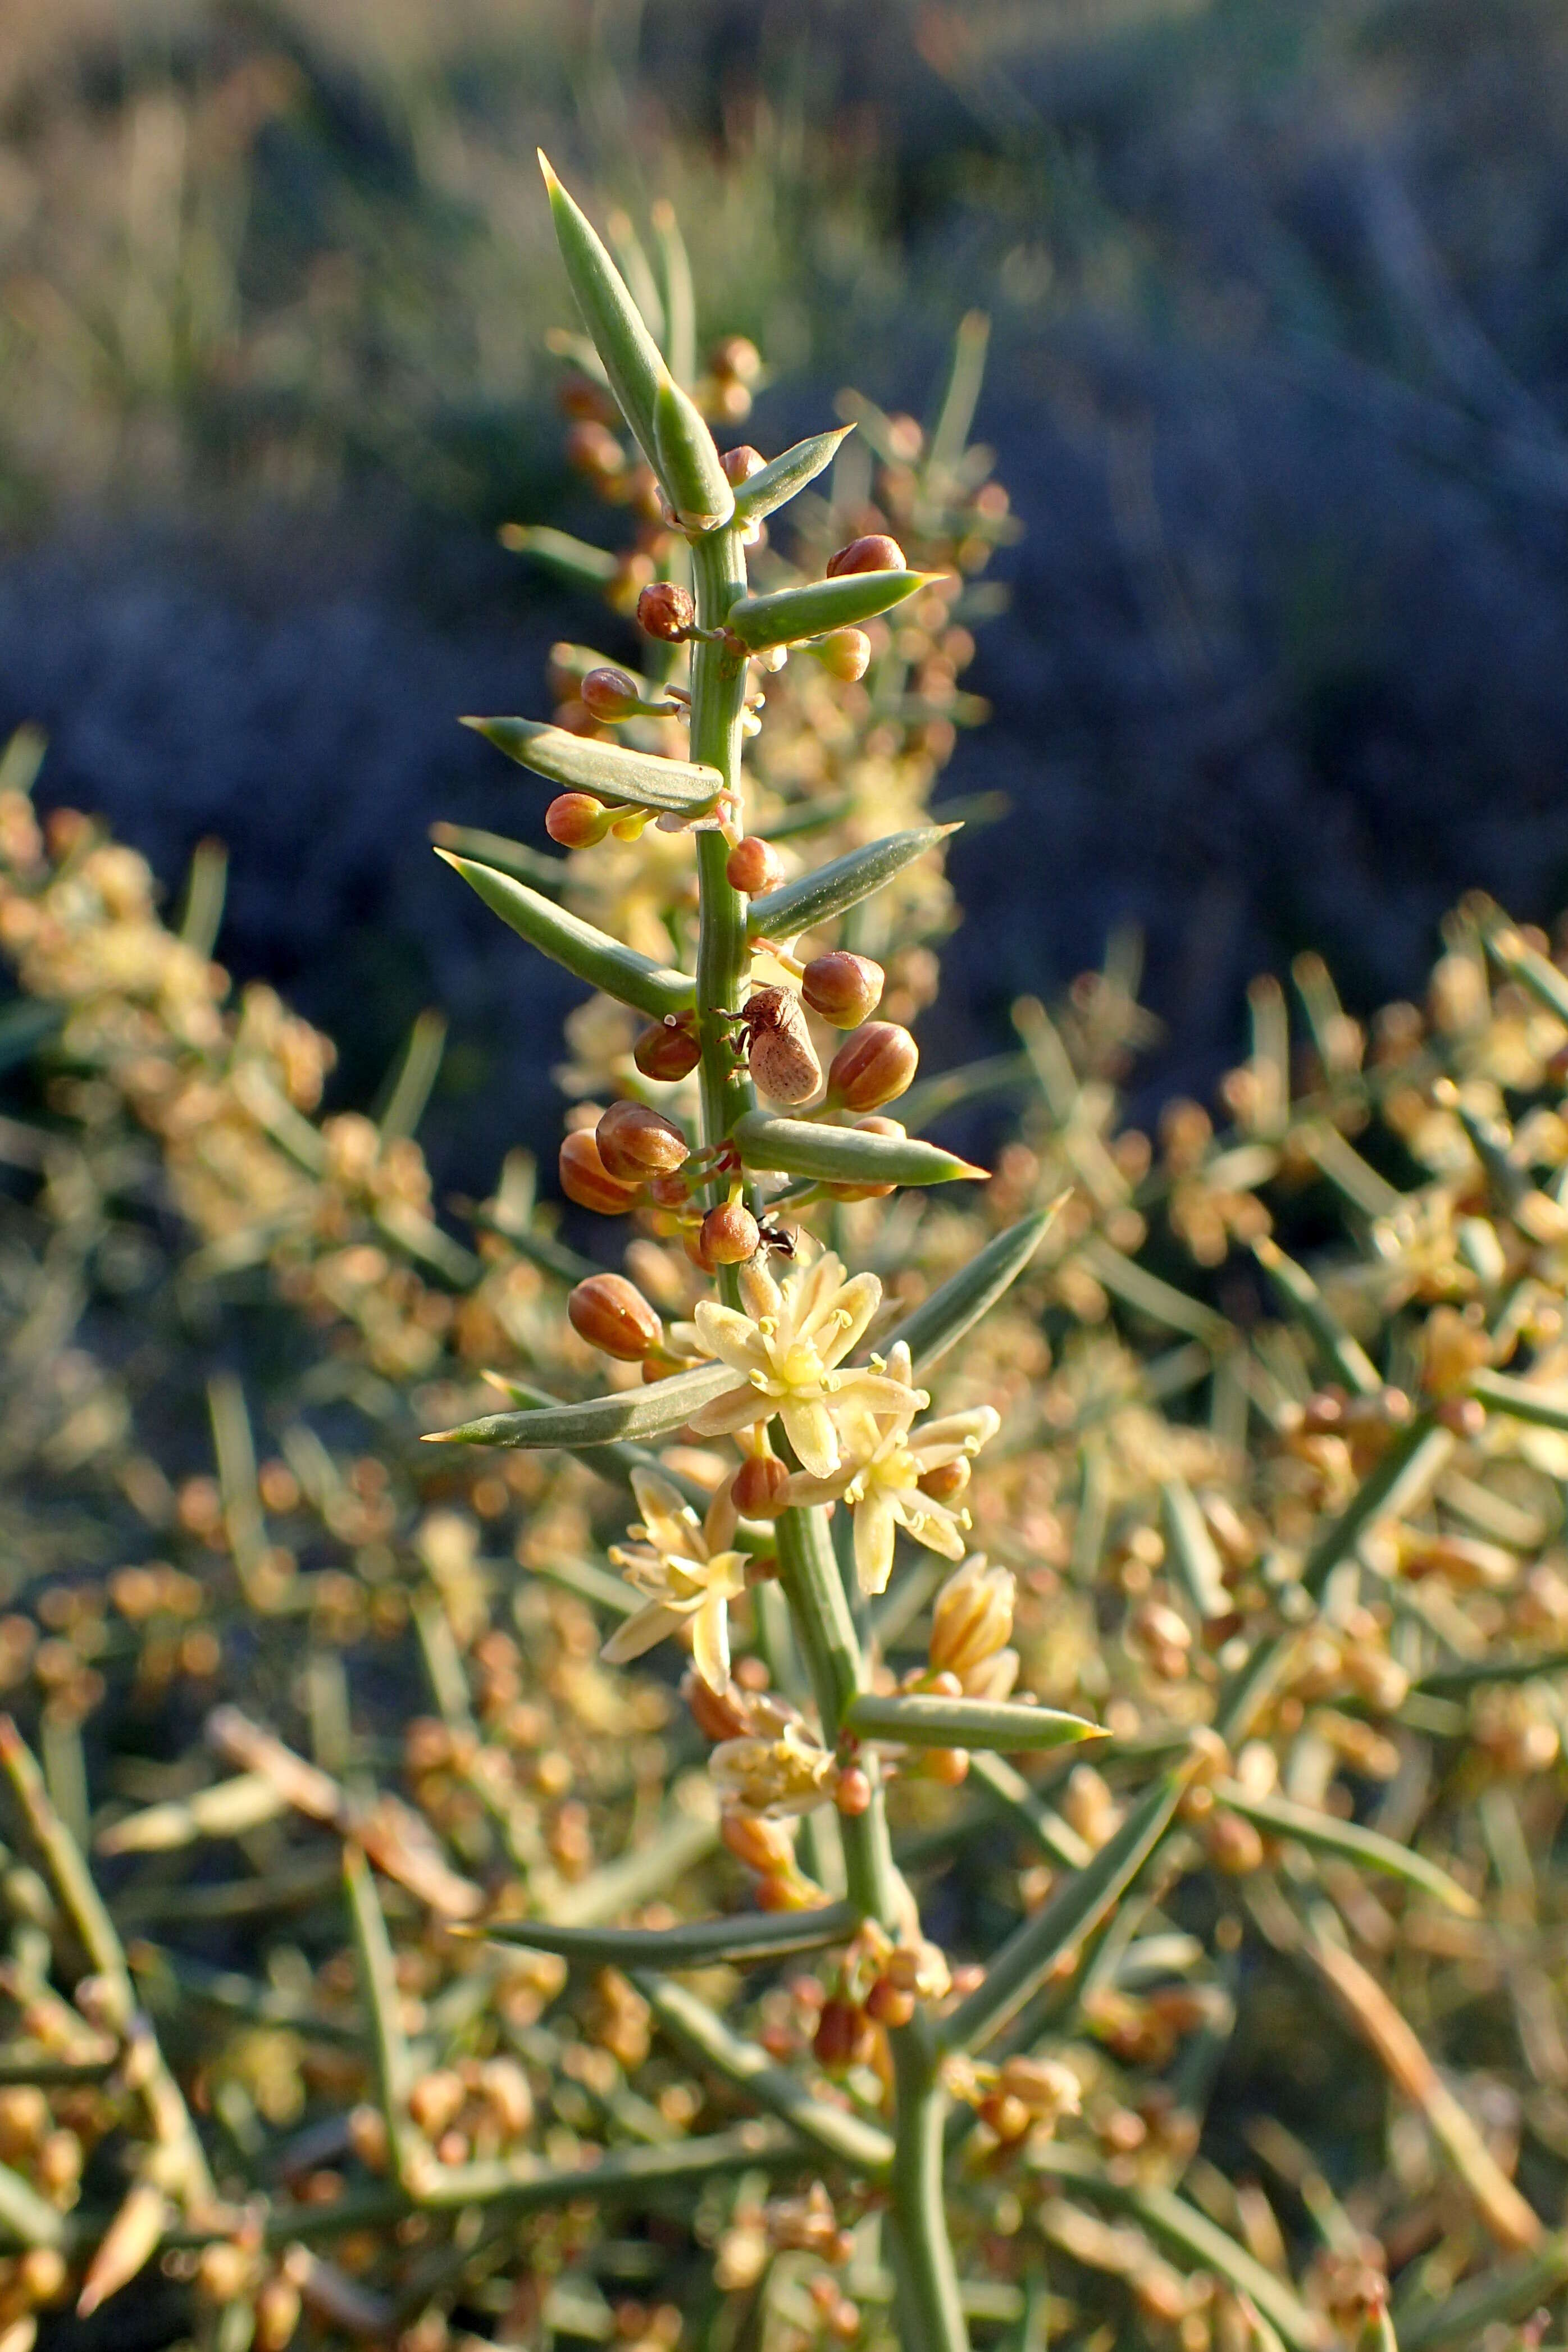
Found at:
[781, 479]
[918, 1721]
[637, 1413]
[943, 1318]
[789, 614]
[839, 885]
[591, 954]
[744, 1941]
[611, 771]
[631, 358]
[842, 1155]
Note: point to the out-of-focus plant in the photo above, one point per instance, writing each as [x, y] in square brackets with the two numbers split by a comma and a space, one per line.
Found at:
[415, 1946]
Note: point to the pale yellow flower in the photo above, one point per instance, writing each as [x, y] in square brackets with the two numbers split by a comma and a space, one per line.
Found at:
[787, 1350]
[792, 1773]
[685, 1576]
[881, 1482]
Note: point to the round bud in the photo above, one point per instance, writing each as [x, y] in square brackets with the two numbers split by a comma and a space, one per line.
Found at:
[613, 1316]
[873, 1066]
[591, 449]
[754, 866]
[948, 1765]
[888, 2003]
[1233, 1845]
[875, 1125]
[729, 1235]
[636, 1143]
[610, 694]
[838, 2033]
[757, 1488]
[875, 552]
[671, 1192]
[577, 821]
[670, 1050]
[736, 356]
[846, 654]
[666, 610]
[740, 463]
[853, 1794]
[585, 1178]
[843, 988]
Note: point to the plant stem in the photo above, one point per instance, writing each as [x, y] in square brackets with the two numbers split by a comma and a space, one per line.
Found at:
[932, 2319]
[718, 699]
[930, 2314]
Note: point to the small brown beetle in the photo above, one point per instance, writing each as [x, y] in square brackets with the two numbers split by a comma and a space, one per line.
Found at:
[778, 1046]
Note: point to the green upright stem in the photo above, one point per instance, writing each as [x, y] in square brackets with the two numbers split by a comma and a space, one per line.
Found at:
[931, 2318]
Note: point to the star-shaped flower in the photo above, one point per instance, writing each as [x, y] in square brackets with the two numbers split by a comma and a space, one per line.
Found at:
[686, 1577]
[787, 1350]
[882, 1481]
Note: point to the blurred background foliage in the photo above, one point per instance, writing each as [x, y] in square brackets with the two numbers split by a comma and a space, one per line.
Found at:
[1279, 310]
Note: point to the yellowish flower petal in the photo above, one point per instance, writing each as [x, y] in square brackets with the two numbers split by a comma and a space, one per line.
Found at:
[876, 1528]
[640, 1632]
[736, 1409]
[808, 1426]
[730, 1335]
[710, 1641]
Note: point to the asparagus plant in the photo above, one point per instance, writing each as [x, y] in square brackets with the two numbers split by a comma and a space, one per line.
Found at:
[777, 1362]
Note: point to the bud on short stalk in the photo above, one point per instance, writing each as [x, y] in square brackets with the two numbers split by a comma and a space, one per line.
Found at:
[577, 821]
[613, 1316]
[740, 463]
[873, 1066]
[636, 1143]
[729, 1235]
[875, 552]
[586, 1179]
[612, 694]
[757, 1488]
[888, 2003]
[844, 989]
[666, 611]
[846, 654]
[670, 1050]
[754, 867]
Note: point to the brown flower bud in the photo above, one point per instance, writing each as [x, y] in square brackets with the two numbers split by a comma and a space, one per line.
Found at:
[610, 694]
[740, 463]
[277, 2308]
[779, 1049]
[593, 450]
[873, 1066]
[577, 821]
[670, 1050]
[729, 1235]
[754, 867]
[578, 396]
[636, 1143]
[736, 356]
[585, 1178]
[843, 988]
[757, 1488]
[948, 1765]
[670, 1191]
[718, 1715]
[852, 1795]
[666, 610]
[838, 2035]
[875, 552]
[1233, 1845]
[764, 1846]
[435, 2100]
[613, 1316]
[888, 2003]
[846, 654]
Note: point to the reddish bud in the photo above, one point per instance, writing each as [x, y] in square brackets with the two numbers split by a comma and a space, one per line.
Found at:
[729, 1234]
[668, 1051]
[585, 1178]
[837, 2034]
[846, 654]
[666, 610]
[948, 1765]
[873, 1066]
[853, 1794]
[718, 1715]
[843, 988]
[671, 1192]
[580, 398]
[613, 1316]
[736, 356]
[610, 694]
[888, 2003]
[577, 821]
[754, 866]
[740, 463]
[591, 449]
[636, 1143]
[875, 552]
[757, 1488]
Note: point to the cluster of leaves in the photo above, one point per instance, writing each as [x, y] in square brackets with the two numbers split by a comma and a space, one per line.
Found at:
[1275, 1500]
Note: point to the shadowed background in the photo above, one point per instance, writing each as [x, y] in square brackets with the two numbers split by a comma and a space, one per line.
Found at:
[1280, 325]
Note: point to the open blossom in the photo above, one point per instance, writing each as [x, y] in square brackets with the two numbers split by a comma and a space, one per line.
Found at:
[792, 1773]
[786, 1351]
[882, 1480]
[685, 1576]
